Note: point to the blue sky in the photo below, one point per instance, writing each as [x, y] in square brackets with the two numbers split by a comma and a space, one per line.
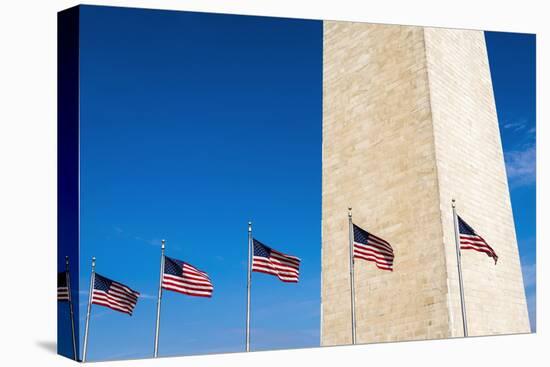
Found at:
[191, 125]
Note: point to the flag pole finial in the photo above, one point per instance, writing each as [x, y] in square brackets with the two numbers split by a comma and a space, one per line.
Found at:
[66, 260]
[349, 211]
[249, 226]
[163, 244]
[453, 201]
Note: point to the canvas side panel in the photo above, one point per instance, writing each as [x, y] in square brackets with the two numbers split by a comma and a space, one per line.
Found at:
[68, 169]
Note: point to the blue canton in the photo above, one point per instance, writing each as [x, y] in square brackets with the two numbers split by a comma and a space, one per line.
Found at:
[101, 283]
[360, 235]
[260, 249]
[173, 267]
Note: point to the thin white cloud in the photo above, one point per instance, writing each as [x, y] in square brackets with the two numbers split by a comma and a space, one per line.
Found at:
[521, 166]
[519, 125]
[515, 125]
[120, 232]
[98, 315]
[529, 270]
[532, 309]
[529, 275]
[152, 242]
[147, 296]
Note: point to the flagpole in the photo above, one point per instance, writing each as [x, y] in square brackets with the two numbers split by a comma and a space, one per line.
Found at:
[248, 283]
[459, 264]
[159, 299]
[92, 281]
[68, 277]
[351, 276]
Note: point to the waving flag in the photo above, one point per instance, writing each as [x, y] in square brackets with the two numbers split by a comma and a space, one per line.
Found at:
[369, 247]
[114, 295]
[184, 278]
[470, 240]
[269, 261]
[62, 287]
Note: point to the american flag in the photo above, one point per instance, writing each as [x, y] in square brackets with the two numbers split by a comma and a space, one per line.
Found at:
[369, 247]
[184, 278]
[470, 240]
[269, 261]
[62, 287]
[114, 295]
